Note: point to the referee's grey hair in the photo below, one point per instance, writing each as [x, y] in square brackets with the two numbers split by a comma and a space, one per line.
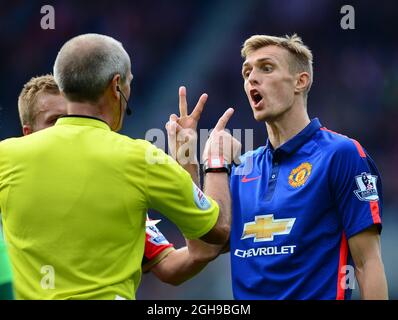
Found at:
[86, 64]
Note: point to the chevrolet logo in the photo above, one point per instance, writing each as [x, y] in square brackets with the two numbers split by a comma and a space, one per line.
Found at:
[265, 227]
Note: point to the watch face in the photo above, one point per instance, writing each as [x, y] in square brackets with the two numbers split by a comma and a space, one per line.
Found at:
[216, 162]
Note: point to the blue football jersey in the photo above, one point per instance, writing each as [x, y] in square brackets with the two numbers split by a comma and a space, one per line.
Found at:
[294, 209]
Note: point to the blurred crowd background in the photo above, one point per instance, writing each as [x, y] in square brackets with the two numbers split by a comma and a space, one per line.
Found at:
[197, 44]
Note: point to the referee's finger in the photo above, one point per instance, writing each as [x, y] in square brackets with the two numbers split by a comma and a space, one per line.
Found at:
[222, 122]
[183, 106]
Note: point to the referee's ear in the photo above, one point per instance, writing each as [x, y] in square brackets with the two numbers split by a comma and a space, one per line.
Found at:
[27, 129]
[115, 84]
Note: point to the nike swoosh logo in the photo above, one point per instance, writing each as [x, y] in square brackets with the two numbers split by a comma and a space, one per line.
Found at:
[245, 179]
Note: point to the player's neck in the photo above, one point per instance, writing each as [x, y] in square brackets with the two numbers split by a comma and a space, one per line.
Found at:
[287, 126]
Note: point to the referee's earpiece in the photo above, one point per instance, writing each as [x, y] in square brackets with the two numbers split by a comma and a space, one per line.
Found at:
[128, 110]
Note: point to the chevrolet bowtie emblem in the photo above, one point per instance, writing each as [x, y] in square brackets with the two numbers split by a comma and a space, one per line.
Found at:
[265, 227]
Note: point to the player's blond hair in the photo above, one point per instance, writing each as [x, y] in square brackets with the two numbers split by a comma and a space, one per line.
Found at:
[28, 97]
[301, 55]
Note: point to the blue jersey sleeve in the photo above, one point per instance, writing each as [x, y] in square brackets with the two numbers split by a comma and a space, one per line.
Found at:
[356, 188]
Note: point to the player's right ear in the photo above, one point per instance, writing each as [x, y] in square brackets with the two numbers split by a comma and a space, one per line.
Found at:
[302, 83]
[26, 129]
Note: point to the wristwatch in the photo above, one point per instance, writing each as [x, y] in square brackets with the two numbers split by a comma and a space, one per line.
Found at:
[216, 165]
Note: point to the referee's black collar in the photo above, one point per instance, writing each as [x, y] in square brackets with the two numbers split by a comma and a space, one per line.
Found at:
[81, 116]
[298, 140]
[74, 119]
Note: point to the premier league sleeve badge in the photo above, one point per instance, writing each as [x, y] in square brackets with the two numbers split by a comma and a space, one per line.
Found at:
[367, 190]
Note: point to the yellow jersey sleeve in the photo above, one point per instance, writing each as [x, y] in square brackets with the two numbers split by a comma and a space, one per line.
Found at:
[172, 192]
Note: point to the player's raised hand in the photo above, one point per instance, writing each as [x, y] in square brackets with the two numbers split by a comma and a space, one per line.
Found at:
[222, 122]
[172, 127]
[221, 145]
[181, 130]
[185, 120]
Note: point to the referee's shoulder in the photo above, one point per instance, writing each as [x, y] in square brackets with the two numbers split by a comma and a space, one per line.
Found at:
[20, 141]
[132, 143]
[337, 143]
[10, 141]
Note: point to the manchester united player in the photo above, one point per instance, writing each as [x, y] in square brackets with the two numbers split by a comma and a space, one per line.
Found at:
[307, 205]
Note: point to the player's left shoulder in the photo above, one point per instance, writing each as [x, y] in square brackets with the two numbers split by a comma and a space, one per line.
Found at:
[339, 145]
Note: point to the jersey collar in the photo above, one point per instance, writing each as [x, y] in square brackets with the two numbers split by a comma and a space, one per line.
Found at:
[80, 120]
[299, 139]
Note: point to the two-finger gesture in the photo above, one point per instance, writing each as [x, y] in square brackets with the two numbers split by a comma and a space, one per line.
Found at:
[181, 130]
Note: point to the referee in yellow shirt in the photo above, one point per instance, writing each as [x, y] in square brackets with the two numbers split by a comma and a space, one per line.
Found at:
[74, 197]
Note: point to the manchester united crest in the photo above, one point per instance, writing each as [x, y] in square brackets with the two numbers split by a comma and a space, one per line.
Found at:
[300, 175]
